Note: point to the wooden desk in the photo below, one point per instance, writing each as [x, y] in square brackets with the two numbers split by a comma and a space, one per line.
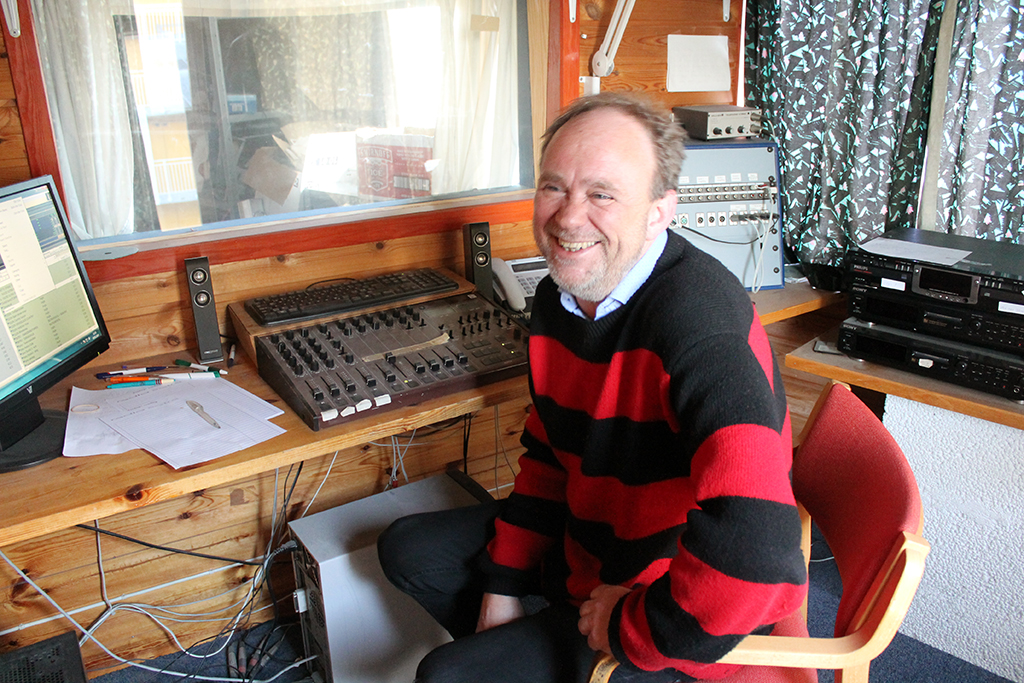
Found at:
[905, 384]
[795, 299]
[68, 491]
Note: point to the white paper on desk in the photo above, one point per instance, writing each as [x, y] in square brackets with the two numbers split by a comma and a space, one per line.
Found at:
[107, 429]
[173, 432]
[698, 64]
[86, 433]
[915, 251]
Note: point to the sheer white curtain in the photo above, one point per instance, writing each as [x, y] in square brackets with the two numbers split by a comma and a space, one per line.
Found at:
[477, 143]
[89, 111]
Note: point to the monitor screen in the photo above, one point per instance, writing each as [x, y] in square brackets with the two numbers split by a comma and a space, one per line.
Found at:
[50, 324]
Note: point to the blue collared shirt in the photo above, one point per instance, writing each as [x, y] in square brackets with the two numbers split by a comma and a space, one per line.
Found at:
[625, 290]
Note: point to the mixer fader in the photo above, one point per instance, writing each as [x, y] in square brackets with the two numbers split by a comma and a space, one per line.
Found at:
[335, 369]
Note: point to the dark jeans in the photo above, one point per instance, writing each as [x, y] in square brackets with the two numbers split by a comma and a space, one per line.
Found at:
[433, 558]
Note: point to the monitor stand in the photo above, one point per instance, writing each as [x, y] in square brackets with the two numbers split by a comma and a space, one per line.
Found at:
[43, 443]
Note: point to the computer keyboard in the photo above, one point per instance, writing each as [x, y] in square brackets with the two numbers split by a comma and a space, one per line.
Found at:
[346, 296]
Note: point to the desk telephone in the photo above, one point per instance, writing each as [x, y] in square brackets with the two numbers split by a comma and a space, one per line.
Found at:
[515, 281]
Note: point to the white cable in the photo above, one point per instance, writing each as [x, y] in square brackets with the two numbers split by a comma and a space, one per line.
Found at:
[398, 460]
[762, 242]
[256, 579]
[125, 596]
[401, 457]
[324, 481]
[122, 660]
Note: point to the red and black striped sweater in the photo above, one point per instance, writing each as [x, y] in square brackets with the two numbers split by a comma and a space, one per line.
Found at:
[658, 457]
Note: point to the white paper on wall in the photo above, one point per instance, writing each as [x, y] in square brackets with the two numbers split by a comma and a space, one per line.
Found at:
[698, 64]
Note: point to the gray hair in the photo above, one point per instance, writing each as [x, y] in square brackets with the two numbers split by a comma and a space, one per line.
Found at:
[666, 135]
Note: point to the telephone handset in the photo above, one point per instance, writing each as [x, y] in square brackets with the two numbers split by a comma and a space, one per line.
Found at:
[515, 281]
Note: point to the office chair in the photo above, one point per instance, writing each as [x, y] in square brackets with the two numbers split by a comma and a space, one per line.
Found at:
[852, 479]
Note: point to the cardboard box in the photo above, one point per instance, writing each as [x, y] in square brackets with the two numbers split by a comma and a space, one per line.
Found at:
[393, 166]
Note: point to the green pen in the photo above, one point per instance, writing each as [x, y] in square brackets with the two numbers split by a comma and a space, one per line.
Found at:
[146, 383]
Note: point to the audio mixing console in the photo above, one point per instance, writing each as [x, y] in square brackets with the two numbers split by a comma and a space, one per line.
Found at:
[333, 370]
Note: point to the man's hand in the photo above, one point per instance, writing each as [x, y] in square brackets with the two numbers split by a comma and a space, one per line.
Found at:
[595, 614]
[496, 610]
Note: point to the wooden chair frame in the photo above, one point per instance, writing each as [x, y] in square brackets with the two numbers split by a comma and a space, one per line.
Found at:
[873, 627]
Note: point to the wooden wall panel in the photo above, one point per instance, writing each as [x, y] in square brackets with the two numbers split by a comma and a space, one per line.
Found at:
[641, 61]
[13, 155]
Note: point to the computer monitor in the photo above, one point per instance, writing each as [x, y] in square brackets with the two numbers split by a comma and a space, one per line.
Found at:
[50, 324]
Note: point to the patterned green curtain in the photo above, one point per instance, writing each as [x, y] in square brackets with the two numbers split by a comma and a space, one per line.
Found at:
[837, 82]
[981, 182]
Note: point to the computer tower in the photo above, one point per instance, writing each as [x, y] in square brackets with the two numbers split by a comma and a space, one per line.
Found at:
[360, 628]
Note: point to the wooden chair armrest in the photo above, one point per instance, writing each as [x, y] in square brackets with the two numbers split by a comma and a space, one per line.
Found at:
[880, 617]
[879, 620]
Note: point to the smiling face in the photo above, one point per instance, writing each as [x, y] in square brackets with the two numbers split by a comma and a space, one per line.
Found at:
[593, 215]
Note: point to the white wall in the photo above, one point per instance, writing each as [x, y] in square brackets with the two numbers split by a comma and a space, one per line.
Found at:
[971, 476]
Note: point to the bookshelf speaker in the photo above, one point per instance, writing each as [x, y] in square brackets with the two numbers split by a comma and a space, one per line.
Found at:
[204, 309]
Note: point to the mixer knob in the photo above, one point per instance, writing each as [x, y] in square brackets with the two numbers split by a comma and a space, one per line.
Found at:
[434, 365]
